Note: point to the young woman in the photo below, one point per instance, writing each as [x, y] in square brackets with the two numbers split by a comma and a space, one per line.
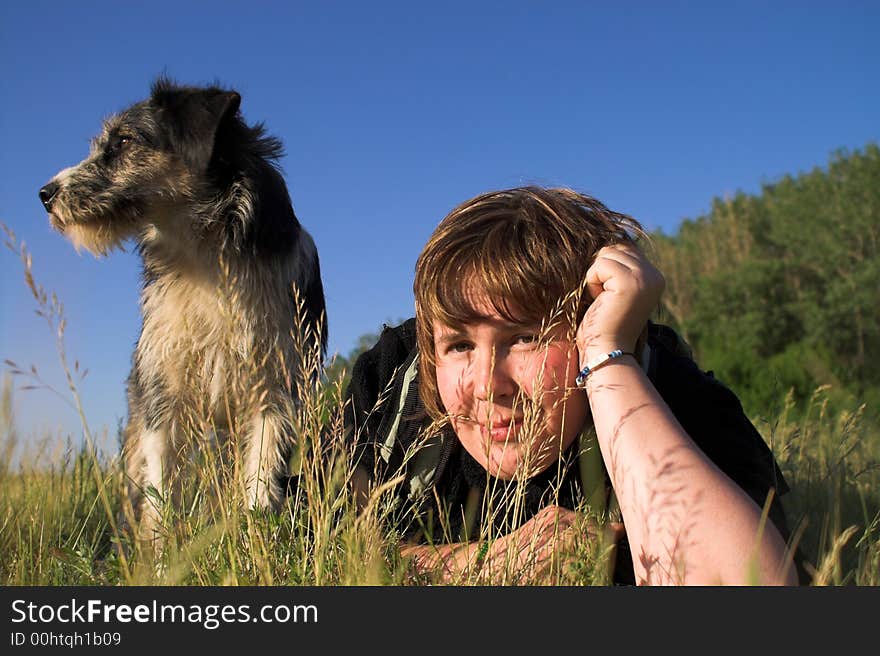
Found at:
[535, 355]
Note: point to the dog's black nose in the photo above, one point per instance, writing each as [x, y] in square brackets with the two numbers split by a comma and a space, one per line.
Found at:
[48, 193]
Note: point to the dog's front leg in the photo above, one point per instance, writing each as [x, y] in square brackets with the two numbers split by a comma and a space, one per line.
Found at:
[157, 454]
[263, 461]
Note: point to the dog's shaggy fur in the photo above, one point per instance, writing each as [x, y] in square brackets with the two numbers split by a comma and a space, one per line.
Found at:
[232, 291]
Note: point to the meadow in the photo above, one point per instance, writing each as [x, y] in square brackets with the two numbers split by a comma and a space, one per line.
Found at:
[64, 518]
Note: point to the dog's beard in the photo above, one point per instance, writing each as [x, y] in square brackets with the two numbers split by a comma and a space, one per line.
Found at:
[96, 233]
[97, 237]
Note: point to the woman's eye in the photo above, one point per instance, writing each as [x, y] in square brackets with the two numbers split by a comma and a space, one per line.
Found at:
[459, 347]
[525, 340]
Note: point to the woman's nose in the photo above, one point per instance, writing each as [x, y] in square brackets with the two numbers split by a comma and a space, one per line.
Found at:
[491, 378]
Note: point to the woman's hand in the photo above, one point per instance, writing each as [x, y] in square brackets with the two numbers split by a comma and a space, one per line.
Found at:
[530, 548]
[626, 289]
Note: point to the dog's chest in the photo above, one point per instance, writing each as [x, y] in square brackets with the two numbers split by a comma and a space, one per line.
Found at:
[197, 340]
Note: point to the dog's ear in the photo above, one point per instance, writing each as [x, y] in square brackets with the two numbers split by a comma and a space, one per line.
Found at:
[194, 118]
[222, 108]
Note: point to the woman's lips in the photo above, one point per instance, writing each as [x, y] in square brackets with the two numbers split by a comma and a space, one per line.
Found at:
[501, 431]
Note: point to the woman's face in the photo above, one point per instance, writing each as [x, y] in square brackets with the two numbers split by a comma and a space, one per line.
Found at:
[509, 392]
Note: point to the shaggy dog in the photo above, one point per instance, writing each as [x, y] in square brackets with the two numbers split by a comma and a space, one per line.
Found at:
[232, 292]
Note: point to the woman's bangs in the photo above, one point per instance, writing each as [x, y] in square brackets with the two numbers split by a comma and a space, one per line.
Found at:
[465, 287]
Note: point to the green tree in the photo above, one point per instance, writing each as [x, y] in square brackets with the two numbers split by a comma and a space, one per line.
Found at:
[780, 290]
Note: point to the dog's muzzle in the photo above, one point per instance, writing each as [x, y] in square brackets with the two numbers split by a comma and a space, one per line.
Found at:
[48, 194]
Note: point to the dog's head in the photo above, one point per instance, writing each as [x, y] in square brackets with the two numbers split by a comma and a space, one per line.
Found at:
[149, 161]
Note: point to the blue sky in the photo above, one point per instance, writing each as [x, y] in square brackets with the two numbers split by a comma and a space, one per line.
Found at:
[393, 113]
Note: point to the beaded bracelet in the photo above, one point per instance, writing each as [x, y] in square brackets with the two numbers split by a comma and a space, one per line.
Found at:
[481, 553]
[581, 379]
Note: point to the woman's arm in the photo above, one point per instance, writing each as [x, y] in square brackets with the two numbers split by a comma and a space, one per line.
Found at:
[686, 521]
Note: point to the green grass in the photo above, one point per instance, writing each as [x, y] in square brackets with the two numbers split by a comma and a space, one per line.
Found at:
[832, 464]
[55, 528]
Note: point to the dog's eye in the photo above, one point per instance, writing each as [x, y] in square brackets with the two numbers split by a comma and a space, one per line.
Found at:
[118, 143]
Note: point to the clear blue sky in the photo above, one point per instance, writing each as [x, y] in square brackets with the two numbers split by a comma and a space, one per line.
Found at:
[393, 113]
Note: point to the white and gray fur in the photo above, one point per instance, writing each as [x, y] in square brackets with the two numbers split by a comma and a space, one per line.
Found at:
[225, 261]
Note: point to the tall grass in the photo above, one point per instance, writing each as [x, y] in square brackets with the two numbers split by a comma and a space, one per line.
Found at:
[832, 464]
[64, 518]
